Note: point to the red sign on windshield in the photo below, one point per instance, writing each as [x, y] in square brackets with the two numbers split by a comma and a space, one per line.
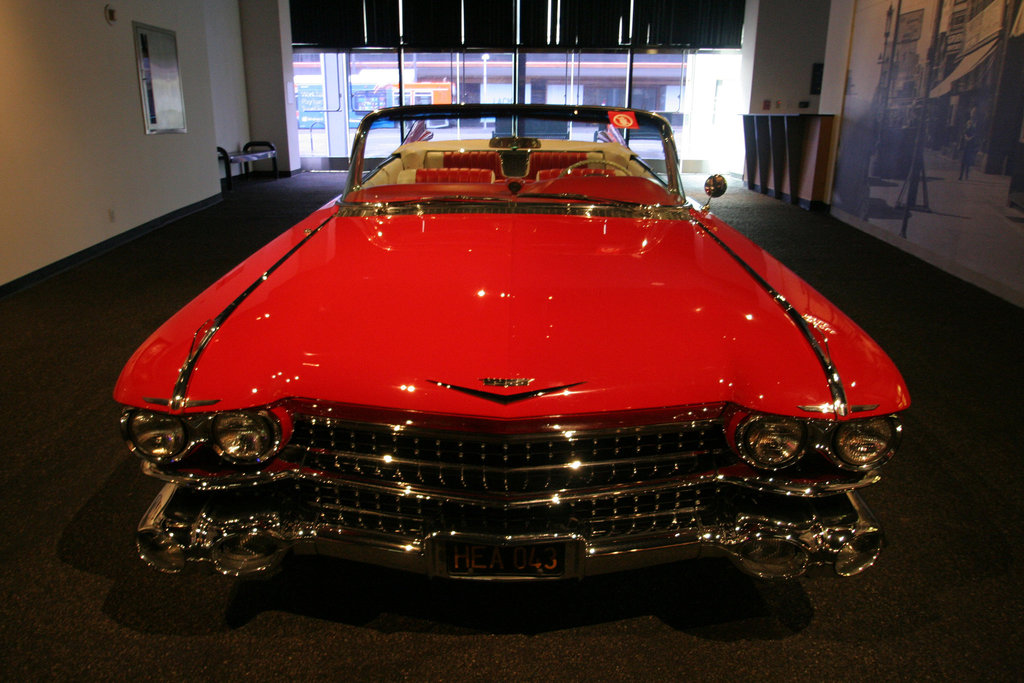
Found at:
[623, 119]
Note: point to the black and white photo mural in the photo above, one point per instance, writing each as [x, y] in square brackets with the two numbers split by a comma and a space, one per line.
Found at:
[931, 153]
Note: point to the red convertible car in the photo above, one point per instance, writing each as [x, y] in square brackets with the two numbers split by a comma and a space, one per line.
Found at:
[512, 349]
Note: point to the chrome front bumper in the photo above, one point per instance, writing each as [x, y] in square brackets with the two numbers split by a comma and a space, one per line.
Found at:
[768, 536]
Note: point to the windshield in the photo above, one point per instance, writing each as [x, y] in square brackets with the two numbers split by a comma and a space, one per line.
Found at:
[487, 152]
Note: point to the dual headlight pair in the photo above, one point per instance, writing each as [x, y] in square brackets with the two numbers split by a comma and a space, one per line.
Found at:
[775, 441]
[243, 437]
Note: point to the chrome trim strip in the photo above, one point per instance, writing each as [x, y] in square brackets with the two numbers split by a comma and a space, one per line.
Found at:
[826, 408]
[189, 403]
[835, 383]
[568, 431]
[498, 501]
[370, 460]
[178, 400]
[489, 206]
[755, 482]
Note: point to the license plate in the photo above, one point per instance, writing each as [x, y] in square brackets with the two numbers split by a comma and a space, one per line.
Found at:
[472, 559]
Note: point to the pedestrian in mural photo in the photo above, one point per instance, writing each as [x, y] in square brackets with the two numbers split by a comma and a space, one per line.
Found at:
[968, 147]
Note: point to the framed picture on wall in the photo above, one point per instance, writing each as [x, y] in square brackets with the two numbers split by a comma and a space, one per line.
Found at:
[163, 105]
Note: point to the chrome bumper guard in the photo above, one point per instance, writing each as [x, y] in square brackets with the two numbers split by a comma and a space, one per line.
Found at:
[242, 536]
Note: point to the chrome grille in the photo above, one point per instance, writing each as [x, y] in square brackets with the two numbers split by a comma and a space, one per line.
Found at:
[410, 483]
[512, 465]
[415, 516]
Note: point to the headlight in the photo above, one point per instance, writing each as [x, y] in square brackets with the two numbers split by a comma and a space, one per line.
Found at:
[157, 436]
[244, 438]
[863, 444]
[771, 441]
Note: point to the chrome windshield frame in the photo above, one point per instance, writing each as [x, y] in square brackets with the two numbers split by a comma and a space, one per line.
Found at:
[354, 182]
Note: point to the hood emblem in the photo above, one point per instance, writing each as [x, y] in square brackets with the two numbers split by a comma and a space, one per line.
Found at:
[506, 381]
[505, 399]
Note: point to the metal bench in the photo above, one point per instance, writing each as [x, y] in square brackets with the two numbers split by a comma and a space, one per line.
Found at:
[247, 156]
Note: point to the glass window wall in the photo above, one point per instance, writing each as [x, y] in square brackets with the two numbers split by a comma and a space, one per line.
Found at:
[698, 92]
[575, 78]
[311, 102]
[711, 137]
[488, 78]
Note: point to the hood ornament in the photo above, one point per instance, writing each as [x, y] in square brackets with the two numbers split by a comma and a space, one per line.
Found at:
[505, 399]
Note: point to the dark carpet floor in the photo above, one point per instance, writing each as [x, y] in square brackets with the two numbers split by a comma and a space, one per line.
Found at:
[944, 601]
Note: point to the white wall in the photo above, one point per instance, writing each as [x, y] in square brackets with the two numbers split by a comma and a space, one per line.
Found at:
[837, 56]
[227, 74]
[837, 60]
[782, 39]
[750, 18]
[78, 165]
[267, 44]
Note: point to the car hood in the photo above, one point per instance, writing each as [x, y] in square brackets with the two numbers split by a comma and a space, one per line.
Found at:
[506, 316]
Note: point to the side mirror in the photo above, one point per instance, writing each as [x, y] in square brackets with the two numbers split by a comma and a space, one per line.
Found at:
[715, 186]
